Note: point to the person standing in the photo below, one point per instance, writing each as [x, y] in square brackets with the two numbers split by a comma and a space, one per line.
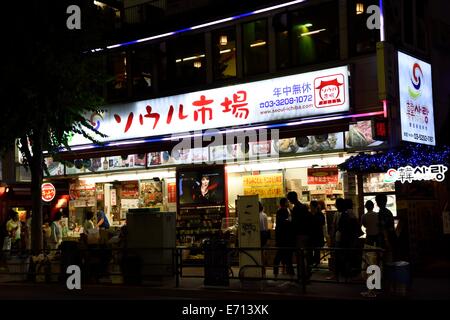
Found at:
[301, 224]
[13, 230]
[370, 221]
[56, 232]
[317, 236]
[102, 220]
[284, 238]
[263, 225]
[387, 229]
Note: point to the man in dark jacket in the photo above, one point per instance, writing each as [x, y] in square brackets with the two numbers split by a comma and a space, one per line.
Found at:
[301, 224]
[284, 237]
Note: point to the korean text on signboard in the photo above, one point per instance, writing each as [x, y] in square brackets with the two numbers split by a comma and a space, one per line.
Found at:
[416, 100]
[291, 97]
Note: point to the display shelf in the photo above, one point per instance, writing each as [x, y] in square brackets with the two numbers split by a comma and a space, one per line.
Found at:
[194, 224]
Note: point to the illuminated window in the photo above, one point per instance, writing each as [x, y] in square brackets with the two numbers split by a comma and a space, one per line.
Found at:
[306, 37]
[224, 53]
[255, 47]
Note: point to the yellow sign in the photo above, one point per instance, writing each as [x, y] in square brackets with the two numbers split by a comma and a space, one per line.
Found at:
[265, 185]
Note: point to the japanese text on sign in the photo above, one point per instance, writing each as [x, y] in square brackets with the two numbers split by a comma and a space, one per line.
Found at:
[291, 97]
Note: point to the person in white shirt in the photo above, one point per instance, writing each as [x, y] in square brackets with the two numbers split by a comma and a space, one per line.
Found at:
[370, 221]
[263, 225]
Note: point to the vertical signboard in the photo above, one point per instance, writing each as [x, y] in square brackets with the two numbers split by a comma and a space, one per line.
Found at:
[416, 100]
[249, 234]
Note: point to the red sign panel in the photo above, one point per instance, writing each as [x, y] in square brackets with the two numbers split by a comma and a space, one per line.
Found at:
[322, 175]
[48, 192]
[172, 192]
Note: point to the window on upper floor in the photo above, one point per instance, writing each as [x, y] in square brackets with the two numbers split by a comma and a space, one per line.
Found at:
[306, 36]
[142, 71]
[362, 40]
[183, 62]
[414, 24]
[117, 84]
[255, 47]
[224, 53]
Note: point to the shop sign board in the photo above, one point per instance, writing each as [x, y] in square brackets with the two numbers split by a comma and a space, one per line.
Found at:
[416, 100]
[48, 192]
[264, 185]
[249, 233]
[284, 98]
[324, 175]
[410, 174]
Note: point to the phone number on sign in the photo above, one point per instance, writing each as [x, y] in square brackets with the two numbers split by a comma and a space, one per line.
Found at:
[419, 137]
[286, 101]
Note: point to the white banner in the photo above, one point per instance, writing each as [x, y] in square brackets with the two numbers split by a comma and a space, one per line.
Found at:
[416, 100]
[291, 97]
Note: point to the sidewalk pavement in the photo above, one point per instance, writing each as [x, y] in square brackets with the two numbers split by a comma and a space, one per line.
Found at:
[193, 289]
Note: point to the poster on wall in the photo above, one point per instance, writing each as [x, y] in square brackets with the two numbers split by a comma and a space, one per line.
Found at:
[132, 161]
[416, 100]
[360, 135]
[325, 175]
[172, 192]
[305, 144]
[264, 185]
[54, 168]
[151, 193]
[129, 190]
[82, 194]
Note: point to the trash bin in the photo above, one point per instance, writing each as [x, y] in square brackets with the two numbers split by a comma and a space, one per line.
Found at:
[216, 263]
[398, 278]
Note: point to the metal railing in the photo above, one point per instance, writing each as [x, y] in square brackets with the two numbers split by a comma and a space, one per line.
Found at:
[218, 267]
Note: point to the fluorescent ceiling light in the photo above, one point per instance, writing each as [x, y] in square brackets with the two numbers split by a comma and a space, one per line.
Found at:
[194, 57]
[225, 51]
[308, 25]
[258, 44]
[312, 32]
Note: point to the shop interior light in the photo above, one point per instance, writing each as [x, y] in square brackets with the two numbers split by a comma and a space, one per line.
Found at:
[258, 44]
[311, 32]
[308, 25]
[225, 51]
[223, 40]
[287, 163]
[197, 64]
[359, 8]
